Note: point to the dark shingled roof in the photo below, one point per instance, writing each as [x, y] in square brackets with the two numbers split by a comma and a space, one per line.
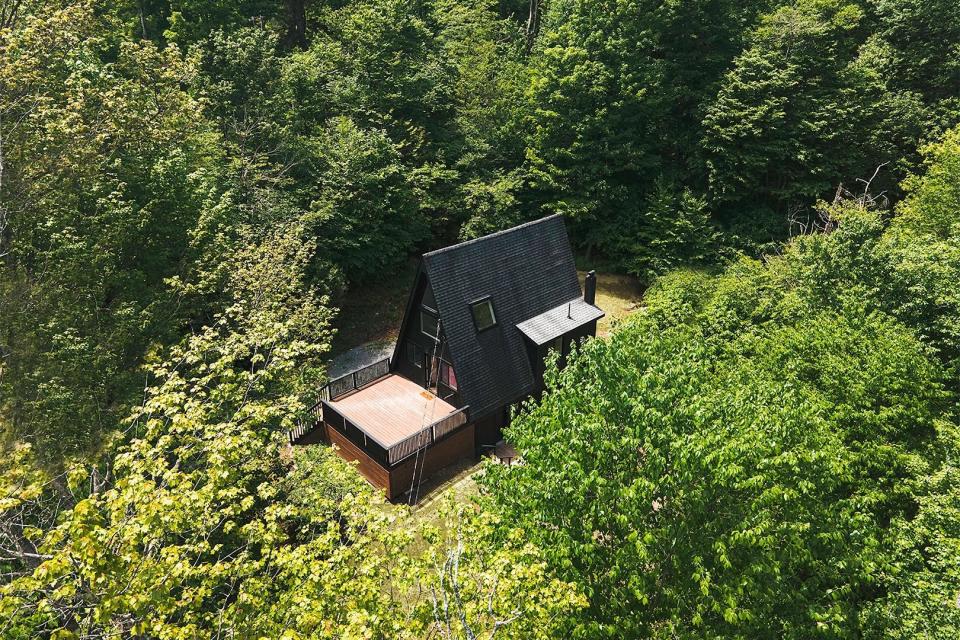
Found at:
[527, 271]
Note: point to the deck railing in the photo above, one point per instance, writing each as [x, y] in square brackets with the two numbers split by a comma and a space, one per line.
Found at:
[360, 378]
[307, 423]
[407, 447]
[354, 380]
[427, 436]
[449, 423]
[337, 388]
[299, 431]
[354, 434]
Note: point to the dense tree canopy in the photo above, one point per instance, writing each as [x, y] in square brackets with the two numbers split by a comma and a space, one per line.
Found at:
[107, 166]
[189, 189]
[767, 452]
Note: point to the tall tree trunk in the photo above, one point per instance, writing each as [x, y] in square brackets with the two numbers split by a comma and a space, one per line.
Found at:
[143, 21]
[533, 23]
[296, 23]
[8, 12]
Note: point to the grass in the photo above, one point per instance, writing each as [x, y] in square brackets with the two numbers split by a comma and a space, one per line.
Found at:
[457, 480]
[618, 296]
[455, 484]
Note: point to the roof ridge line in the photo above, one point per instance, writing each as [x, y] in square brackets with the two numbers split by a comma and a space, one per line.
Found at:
[492, 235]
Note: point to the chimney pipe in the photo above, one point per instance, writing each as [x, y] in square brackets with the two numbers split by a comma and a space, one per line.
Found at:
[590, 287]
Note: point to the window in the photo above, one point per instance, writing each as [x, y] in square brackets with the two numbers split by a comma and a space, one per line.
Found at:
[429, 324]
[415, 354]
[447, 376]
[555, 345]
[483, 316]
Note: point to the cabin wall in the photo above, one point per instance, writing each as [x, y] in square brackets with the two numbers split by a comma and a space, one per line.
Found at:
[457, 446]
[537, 354]
[414, 345]
[489, 430]
[410, 335]
[587, 330]
[395, 481]
[350, 452]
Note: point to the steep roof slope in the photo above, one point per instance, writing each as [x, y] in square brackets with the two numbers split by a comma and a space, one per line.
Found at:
[526, 271]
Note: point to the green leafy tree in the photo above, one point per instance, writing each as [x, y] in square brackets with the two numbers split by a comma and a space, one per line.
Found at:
[486, 580]
[592, 116]
[487, 92]
[200, 480]
[773, 131]
[704, 487]
[200, 528]
[107, 165]
[822, 97]
[671, 229]
[925, 42]
[934, 201]
[364, 212]
[909, 268]
[616, 100]
[767, 452]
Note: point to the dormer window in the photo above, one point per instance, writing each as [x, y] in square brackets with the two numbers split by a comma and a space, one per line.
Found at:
[483, 315]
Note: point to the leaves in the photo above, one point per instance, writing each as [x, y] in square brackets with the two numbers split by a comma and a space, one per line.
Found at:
[758, 453]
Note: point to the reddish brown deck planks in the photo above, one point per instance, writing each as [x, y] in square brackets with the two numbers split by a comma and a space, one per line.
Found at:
[391, 409]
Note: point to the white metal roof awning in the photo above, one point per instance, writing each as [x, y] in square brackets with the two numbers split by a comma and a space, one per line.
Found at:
[562, 319]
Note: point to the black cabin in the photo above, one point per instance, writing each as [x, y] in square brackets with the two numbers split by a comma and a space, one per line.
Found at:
[479, 322]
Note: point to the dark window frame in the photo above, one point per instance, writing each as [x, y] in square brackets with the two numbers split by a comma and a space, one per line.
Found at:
[447, 368]
[424, 309]
[473, 314]
[415, 354]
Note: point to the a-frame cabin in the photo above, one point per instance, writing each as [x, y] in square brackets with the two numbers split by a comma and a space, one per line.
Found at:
[480, 320]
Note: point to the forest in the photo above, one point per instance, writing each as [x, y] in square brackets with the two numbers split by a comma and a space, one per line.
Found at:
[192, 190]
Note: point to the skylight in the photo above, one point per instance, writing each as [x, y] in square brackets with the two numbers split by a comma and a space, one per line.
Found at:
[483, 315]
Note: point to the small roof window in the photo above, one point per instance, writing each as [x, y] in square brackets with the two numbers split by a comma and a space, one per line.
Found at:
[483, 315]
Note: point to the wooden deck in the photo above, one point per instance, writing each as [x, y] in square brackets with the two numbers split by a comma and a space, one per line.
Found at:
[391, 409]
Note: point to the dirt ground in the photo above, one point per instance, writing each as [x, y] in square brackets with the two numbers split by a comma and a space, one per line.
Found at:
[371, 313]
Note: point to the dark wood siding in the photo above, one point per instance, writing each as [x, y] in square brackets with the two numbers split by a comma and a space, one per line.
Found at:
[411, 339]
[457, 446]
[411, 336]
[395, 481]
[366, 465]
